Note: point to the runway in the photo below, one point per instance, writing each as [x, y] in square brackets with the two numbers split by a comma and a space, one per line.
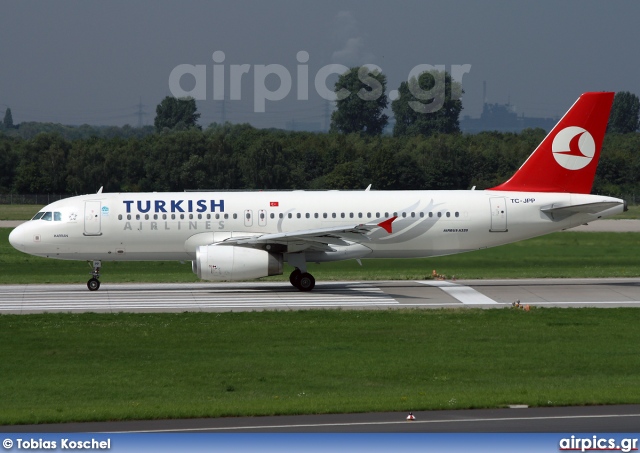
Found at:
[220, 297]
[610, 419]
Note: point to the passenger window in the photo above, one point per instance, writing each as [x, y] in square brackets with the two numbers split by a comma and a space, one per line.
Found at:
[281, 215]
[199, 216]
[351, 215]
[272, 215]
[316, 215]
[431, 214]
[413, 214]
[173, 216]
[448, 214]
[119, 216]
[342, 215]
[217, 216]
[457, 214]
[324, 215]
[155, 216]
[377, 214]
[181, 216]
[235, 216]
[368, 215]
[190, 216]
[128, 216]
[439, 214]
[208, 216]
[137, 216]
[386, 214]
[298, 215]
[333, 215]
[359, 215]
[226, 216]
[404, 214]
[262, 216]
[248, 216]
[421, 214]
[290, 215]
[146, 216]
[164, 216]
[307, 215]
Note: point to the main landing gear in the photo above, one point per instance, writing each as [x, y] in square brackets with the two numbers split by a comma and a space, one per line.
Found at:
[94, 284]
[304, 281]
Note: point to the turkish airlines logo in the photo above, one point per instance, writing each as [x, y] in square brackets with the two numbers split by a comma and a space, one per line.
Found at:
[573, 148]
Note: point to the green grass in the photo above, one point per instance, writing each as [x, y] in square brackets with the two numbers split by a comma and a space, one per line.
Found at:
[83, 367]
[632, 213]
[562, 255]
[18, 211]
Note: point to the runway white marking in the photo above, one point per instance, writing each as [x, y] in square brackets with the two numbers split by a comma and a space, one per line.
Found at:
[317, 425]
[464, 294]
[168, 297]
[125, 298]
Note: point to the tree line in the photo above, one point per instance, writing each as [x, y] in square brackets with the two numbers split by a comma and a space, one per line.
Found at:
[240, 157]
[426, 151]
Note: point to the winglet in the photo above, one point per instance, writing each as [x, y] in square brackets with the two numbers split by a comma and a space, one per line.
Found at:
[387, 224]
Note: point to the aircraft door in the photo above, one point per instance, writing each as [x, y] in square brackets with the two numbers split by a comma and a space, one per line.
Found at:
[248, 218]
[262, 217]
[498, 214]
[92, 218]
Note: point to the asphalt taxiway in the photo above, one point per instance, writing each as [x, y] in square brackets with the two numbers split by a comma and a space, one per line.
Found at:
[220, 297]
[610, 419]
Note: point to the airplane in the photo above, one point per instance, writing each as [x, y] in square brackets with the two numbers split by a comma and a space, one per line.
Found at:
[248, 235]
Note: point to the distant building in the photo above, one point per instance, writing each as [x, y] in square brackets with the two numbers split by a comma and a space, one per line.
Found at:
[502, 117]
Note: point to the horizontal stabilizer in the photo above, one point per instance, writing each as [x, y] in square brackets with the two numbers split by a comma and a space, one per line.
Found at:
[562, 212]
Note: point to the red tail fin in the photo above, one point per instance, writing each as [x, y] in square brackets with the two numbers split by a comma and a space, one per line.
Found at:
[567, 158]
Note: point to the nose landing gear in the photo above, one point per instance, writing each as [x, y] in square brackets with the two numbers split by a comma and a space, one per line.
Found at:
[94, 284]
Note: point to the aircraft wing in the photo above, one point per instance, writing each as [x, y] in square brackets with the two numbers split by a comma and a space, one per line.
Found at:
[320, 239]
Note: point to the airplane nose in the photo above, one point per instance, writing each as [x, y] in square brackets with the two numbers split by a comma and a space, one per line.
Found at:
[16, 238]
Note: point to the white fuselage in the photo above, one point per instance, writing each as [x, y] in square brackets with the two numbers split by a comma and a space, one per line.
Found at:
[170, 226]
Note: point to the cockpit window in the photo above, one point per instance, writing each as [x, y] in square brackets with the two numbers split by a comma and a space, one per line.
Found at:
[49, 216]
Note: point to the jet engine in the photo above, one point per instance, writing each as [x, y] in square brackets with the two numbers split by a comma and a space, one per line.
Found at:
[227, 262]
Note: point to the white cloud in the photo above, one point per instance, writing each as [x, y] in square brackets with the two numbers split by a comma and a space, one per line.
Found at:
[351, 41]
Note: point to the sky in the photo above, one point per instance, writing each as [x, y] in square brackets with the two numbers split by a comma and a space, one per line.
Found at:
[94, 62]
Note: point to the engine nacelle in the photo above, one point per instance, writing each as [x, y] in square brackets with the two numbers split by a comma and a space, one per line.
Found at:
[227, 262]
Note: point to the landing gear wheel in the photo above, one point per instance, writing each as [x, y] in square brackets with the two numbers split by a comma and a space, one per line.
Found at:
[295, 277]
[93, 284]
[306, 282]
